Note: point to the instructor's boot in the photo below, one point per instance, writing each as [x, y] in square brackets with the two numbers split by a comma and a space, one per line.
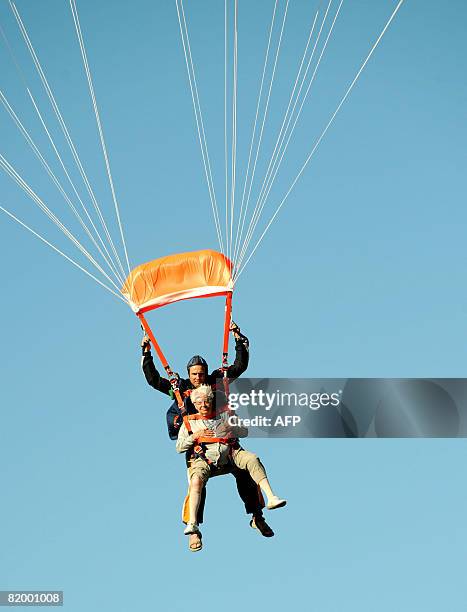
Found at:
[258, 522]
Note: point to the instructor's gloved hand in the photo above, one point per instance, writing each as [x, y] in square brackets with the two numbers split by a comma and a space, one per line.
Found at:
[146, 344]
[235, 329]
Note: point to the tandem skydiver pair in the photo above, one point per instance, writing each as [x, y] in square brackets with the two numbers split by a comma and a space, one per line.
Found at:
[211, 445]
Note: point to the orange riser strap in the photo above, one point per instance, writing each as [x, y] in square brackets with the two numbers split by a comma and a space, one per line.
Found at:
[227, 318]
[167, 368]
[225, 347]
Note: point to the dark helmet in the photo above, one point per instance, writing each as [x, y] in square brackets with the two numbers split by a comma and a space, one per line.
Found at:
[197, 360]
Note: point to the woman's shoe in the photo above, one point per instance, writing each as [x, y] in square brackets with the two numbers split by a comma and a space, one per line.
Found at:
[275, 502]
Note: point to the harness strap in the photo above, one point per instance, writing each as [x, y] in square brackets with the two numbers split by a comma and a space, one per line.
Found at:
[172, 378]
[207, 440]
[200, 453]
[199, 450]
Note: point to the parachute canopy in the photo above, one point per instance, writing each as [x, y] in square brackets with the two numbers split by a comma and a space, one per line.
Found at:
[178, 277]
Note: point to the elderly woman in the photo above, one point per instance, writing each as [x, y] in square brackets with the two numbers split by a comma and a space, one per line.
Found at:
[214, 450]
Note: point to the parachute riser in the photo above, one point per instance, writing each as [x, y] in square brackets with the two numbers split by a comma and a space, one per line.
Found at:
[172, 378]
[225, 346]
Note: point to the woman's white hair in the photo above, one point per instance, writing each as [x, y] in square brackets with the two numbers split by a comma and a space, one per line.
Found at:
[203, 391]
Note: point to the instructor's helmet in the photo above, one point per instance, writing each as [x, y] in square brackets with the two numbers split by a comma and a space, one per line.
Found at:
[197, 360]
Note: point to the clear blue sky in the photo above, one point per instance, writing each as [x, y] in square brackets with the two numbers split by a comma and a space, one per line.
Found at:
[362, 275]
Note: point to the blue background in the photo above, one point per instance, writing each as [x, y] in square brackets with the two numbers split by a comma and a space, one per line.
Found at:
[361, 275]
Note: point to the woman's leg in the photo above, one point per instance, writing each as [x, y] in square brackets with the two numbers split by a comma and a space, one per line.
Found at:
[198, 473]
[196, 488]
[245, 460]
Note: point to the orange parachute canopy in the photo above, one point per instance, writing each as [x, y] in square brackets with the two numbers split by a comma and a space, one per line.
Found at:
[178, 277]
